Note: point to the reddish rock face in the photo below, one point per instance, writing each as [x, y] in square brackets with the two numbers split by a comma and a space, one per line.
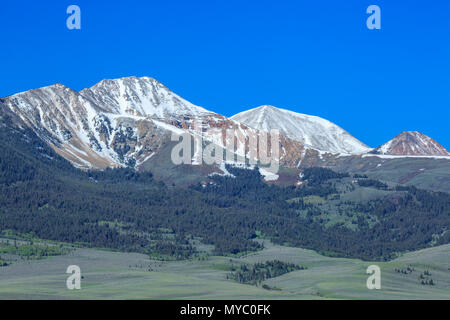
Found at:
[292, 153]
[412, 143]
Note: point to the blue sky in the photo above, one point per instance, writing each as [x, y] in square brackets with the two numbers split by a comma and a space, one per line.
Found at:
[313, 57]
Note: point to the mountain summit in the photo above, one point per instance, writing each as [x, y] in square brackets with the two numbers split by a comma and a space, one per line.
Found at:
[412, 143]
[144, 97]
[312, 131]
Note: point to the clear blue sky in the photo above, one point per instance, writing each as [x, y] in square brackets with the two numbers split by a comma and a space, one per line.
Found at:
[314, 57]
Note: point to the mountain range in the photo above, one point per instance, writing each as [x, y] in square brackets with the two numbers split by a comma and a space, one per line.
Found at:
[332, 193]
[129, 121]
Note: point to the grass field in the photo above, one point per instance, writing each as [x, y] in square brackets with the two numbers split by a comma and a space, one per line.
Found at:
[114, 275]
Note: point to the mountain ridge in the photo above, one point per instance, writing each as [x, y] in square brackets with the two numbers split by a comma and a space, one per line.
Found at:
[126, 121]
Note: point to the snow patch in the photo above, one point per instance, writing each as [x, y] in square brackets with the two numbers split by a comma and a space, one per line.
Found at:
[268, 176]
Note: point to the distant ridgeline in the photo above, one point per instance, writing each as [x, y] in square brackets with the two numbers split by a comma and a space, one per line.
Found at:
[333, 213]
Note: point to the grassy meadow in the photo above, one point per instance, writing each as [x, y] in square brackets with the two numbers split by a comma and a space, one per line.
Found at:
[116, 275]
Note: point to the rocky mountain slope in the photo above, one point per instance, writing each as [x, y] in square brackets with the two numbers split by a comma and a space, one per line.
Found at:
[412, 143]
[83, 132]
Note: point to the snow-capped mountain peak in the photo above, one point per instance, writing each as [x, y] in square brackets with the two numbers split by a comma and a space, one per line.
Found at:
[312, 131]
[116, 122]
[145, 97]
[412, 143]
